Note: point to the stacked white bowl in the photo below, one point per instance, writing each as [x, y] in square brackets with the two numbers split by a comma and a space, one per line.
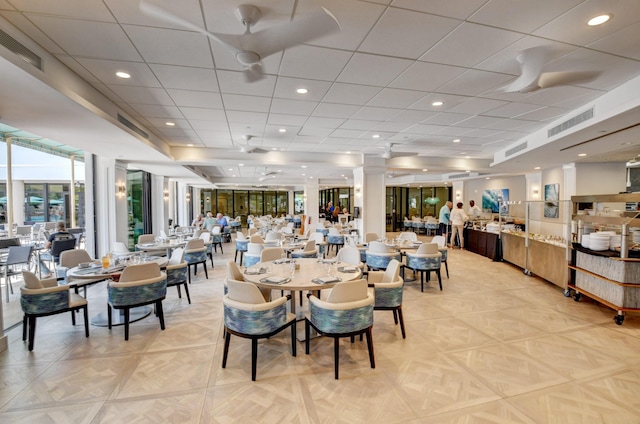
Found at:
[615, 241]
[585, 240]
[600, 240]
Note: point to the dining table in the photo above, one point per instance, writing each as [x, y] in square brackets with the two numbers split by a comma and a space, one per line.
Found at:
[95, 271]
[165, 244]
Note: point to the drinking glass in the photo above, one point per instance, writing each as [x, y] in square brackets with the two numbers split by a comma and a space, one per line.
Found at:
[106, 262]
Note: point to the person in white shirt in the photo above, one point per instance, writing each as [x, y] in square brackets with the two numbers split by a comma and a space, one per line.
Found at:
[474, 210]
[458, 218]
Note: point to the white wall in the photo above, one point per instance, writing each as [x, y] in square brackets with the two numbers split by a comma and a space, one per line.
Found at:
[516, 185]
[601, 178]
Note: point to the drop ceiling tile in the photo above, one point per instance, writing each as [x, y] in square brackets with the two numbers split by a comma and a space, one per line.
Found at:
[160, 123]
[324, 122]
[396, 98]
[459, 9]
[107, 41]
[292, 107]
[470, 44]
[180, 134]
[144, 95]
[280, 119]
[315, 131]
[512, 109]
[522, 16]
[411, 116]
[234, 83]
[623, 42]
[544, 113]
[355, 124]
[449, 100]
[105, 71]
[313, 62]
[76, 67]
[481, 133]
[157, 111]
[199, 125]
[476, 106]
[171, 47]
[243, 127]
[215, 138]
[334, 110]
[203, 114]
[404, 33]
[474, 82]
[359, 69]
[446, 118]
[424, 76]
[392, 126]
[286, 89]
[128, 12]
[36, 39]
[375, 113]
[4, 5]
[79, 9]
[259, 119]
[201, 99]
[348, 134]
[246, 103]
[478, 122]
[424, 129]
[186, 78]
[351, 94]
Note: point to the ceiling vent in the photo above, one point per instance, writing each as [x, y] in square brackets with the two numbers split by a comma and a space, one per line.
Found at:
[456, 176]
[520, 147]
[133, 127]
[584, 116]
[19, 49]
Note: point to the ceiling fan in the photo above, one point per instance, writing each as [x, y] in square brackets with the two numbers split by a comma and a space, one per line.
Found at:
[251, 48]
[247, 148]
[533, 77]
[390, 154]
[266, 174]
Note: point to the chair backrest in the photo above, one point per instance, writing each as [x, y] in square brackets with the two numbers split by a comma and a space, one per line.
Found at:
[163, 234]
[234, 272]
[31, 281]
[440, 240]
[254, 248]
[146, 238]
[287, 230]
[392, 273]
[408, 235]
[350, 255]
[252, 231]
[240, 236]
[215, 229]
[194, 244]
[4, 243]
[18, 255]
[334, 231]
[316, 237]
[370, 237]
[206, 236]
[310, 246]
[256, 238]
[428, 248]
[23, 230]
[71, 258]
[59, 246]
[140, 272]
[348, 291]
[243, 292]
[378, 247]
[177, 256]
[120, 247]
[272, 236]
[271, 254]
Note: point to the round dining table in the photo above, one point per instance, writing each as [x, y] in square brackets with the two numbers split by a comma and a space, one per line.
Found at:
[96, 271]
[168, 245]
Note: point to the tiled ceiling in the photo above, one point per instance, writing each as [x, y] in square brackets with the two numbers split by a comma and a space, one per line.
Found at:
[377, 77]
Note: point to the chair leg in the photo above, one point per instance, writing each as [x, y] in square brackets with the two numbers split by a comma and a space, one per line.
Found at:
[179, 291]
[126, 324]
[186, 290]
[370, 346]
[25, 325]
[446, 265]
[32, 332]
[109, 319]
[404, 336]
[439, 278]
[294, 347]
[73, 317]
[236, 258]
[160, 313]
[336, 355]
[227, 339]
[86, 320]
[204, 264]
[395, 316]
[241, 255]
[307, 330]
[422, 281]
[189, 272]
[254, 358]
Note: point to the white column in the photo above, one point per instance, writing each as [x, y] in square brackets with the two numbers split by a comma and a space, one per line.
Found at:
[89, 210]
[72, 192]
[105, 212]
[291, 202]
[17, 200]
[533, 193]
[183, 205]
[369, 195]
[121, 205]
[9, 218]
[311, 201]
[158, 205]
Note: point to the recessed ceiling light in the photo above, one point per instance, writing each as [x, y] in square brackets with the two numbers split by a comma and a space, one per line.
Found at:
[233, 176]
[536, 168]
[274, 148]
[311, 178]
[467, 157]
[424, 170]
[598, 20]
[304, 166]
[438, 103]
[124, 75]
[342, 175]
[170, 124]
[190, 145]
[230, 169]
[456, 140]
[582, 155]
[487, 178]
[279, 170]
[376, 136]
[304, 175]
[282, 130]
[241, 164]
[467, 170]
[302, 91]
[348, 152]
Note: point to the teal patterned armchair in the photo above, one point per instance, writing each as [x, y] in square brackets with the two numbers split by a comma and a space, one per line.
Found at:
[247, 314]
[309, 251]
[139, 285]
[347, 312]
[426, 259]
[388, 287]
[40, 298]
[241, 245]
[378, 256]
[177, 270]
[195, 252]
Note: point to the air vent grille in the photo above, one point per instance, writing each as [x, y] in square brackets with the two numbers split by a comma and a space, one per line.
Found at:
[516, 149]
[124, 121]
[584, 116]
[16, 47]
[458, 176]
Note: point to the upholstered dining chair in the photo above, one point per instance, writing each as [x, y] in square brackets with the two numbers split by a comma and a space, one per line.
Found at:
[334, 238]
[369, 237]
[39, 298]
[119, 248]
[206, 237]
[408, 236]
[247, 314]
[378, 256]
[350, 255]
[387, 288]
[241, 245]
[442, 247]
[347, 312]
[71, 258]
[216, 238]
[426, 259]
[309, 251]
[272, 254]
[177, 270]
[195, 253]
[321, 245]
[139, 285]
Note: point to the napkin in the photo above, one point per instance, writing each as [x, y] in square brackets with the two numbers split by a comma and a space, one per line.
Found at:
[282, 261]
[325, 280]
[255, 271]
[274, 279]
[348, 269]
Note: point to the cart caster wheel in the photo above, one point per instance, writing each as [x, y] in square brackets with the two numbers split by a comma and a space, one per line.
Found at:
[577, 297]
[619, 319]
[567, 292]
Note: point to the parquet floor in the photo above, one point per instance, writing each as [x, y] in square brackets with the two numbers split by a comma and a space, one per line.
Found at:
[495, 346]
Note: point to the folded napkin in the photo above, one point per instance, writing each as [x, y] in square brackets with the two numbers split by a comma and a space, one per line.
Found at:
[86, 271]
[147, 244]
[274, 279]
[348, 269]
[282, 261]
[256, 271]
[326, 280]
[327, 261]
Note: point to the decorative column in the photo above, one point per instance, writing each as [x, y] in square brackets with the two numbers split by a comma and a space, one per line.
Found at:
[72, 192]
[369, 196]
[311, 201]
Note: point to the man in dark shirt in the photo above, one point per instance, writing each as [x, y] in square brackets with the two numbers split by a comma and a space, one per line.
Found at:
[60, 234]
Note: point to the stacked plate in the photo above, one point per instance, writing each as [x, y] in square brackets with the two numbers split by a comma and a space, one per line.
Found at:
[599, 241]
[636, 237]
[585, 240]
[615, 241]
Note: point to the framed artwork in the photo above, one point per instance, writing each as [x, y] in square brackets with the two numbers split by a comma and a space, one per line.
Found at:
[551, 200]
[496, 200]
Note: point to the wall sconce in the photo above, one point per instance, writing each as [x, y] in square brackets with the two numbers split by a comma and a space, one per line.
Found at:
[457, 194]
[188, 197]
[121, 189]
[357, 189]
[535, 192]
[165, 194]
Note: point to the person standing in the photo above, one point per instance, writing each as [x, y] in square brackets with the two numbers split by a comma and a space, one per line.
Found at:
[458, 218]
[443, 219]
[474, 210]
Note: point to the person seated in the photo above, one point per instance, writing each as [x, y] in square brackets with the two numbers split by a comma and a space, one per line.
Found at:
[221, 221]
[198, 222]
[209, 222]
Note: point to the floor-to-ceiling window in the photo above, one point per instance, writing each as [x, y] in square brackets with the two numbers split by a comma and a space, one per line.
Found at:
[241, 205]
[3, 203]
[224, 203]
[135, 210]
[256, 203]
[282, 201]
[298, 202]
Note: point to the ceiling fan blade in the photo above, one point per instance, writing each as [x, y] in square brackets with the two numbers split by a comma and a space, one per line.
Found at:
[272, 40]
[253, 73]
[552, 79]
[531, 63]
[401, 154]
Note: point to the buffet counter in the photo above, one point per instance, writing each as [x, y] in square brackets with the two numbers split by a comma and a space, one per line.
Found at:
[483, 243]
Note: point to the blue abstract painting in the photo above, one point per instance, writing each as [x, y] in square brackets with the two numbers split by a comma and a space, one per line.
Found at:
[496, 200]
[551, 198]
